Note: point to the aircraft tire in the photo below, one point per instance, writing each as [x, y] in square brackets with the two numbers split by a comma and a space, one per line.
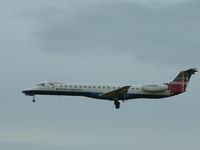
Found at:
[33, 100]
[117, 104]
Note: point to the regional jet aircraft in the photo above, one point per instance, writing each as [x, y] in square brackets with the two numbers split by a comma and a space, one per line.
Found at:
[114, 93]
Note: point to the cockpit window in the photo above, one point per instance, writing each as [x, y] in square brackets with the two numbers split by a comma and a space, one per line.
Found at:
[41, 84]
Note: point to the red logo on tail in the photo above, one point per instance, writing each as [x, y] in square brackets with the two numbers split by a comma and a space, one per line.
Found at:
[179, 84]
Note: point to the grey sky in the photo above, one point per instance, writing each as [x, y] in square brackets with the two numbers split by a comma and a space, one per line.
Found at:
[115, 42]
[122, 28]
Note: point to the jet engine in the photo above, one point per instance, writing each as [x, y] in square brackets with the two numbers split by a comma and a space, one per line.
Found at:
[154, 88]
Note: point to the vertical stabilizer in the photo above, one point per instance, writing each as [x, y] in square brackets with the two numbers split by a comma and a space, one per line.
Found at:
[179, 84]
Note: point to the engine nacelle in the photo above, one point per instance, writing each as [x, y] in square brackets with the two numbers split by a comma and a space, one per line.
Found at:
[154, 88]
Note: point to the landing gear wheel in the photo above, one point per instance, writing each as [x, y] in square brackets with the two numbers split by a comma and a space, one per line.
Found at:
[33, 99]
[117, 104]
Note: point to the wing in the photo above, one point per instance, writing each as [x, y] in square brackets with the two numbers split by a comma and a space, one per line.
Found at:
[116, 94]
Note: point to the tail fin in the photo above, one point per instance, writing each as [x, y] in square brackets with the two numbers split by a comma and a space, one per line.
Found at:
[179, 84]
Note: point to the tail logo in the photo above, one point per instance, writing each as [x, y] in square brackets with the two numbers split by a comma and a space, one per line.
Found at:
[179, 84]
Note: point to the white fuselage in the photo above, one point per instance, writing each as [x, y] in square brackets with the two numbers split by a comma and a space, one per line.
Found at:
[115, 93]
[95, 91]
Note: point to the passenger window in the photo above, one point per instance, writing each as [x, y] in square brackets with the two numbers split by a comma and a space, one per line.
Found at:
[80, 86]
[94, 87]
[99, 87]
[85, 86]
[108, 87]
[75, 86]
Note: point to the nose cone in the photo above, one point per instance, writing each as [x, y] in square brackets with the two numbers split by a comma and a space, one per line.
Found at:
[27, 92]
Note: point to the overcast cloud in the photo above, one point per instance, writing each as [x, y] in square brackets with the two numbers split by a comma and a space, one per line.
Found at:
[109, 28]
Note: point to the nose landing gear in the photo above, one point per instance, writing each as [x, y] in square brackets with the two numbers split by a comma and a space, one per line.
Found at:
[33, 100]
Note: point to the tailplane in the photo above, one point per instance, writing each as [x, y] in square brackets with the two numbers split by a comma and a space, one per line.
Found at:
[179, 84]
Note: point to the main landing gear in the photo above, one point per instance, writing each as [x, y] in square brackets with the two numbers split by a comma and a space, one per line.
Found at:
[33, 100]
[117, 104]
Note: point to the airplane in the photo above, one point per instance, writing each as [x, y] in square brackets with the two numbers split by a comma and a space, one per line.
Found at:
[114, 93]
